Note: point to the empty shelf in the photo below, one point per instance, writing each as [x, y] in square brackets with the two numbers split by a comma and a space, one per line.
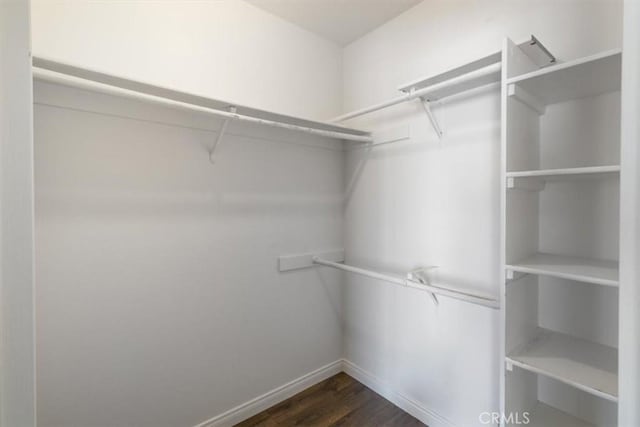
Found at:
[585, 365]
[567, 173]
[547, 416]
[585, 77]
[97, 81]
[588, 270]
[492, 76]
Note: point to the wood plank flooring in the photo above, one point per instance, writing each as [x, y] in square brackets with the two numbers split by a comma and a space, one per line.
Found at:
[337, 401]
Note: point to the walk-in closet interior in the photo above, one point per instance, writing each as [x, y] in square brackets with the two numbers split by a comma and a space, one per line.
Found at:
[320, 213]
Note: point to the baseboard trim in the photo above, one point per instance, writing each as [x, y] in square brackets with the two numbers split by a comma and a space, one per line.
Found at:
[273, 397]
[277, 395]
[422, 413]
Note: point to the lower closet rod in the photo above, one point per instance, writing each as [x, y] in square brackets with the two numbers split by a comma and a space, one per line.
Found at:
[434, 289]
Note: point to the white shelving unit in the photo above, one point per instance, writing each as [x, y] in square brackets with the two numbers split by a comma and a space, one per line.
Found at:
[560, 226]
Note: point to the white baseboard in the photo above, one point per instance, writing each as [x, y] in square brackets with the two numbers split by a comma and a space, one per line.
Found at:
[277, 395]
[426, 415]
[273, 397]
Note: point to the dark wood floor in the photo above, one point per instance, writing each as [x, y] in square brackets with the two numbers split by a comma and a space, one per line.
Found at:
[338, 401]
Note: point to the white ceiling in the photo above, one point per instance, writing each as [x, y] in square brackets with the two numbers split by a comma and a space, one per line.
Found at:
[341, 21]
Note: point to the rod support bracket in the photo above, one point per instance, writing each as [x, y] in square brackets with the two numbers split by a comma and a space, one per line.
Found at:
[421, 275]
[223, 129]
[426, 106]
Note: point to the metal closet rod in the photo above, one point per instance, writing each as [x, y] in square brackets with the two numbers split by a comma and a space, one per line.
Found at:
[431, 288]
[72, 81]
[420, 93]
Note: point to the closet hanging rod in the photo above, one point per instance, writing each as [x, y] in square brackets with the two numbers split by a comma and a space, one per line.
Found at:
[478, 73]
[446, 291]
[70, 80]
[492, 69]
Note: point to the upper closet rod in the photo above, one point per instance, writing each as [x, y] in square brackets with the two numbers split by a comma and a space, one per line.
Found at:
[474, 74]
[424, 92]
[95, 86]
[431, 288]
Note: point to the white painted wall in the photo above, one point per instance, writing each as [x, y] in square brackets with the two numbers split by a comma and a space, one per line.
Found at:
[17, 359]
[159, 300]
[158, 296]
[424, 202]
[225, 49]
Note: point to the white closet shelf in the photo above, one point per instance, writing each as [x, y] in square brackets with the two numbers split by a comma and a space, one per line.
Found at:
[97, 81]
[600, 272]
[585, 77]
[583, 364]
[490, 63]
[544, 415]
[481, 72]
[536, 179]
[567, 173]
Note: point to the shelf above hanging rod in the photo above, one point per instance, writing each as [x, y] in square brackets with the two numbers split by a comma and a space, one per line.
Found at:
[488, 74]
[73, 76]
[475, 74]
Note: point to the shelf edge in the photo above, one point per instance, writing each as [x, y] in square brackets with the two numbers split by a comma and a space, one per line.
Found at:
[579, 386]
[564, 66]
[568, 276]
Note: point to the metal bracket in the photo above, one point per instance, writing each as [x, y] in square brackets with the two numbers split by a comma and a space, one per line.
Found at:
[221, 132]
[426, 105]
[421, 275]
[538, 53]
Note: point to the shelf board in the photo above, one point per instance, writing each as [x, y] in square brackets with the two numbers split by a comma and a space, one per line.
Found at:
[454, 73]
[599, 272]
[544, 415]
[567, 173]
[531, 47]
[590, 76]
[73, 75]
[585, 365]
